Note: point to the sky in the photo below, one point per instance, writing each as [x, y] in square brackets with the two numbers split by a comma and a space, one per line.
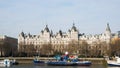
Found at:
[31, 16]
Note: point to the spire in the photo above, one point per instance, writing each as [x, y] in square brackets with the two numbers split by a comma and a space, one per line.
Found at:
[51, 32]
[46, 28]
[108, 27]
[73, 23]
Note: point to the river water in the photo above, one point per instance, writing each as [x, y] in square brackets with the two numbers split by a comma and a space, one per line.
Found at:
[45, 66]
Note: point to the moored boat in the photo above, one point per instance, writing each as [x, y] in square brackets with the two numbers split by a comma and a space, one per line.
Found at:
[66, 60]
[38, 62]
[69, 63]
[5, 63]
[114, 62]
[14, 62]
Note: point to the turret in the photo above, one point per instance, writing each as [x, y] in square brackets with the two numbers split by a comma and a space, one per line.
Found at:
[46, 29]
[46, 34]
[22, 34]
[108, 31]
[21, 39]
[73, 29]
[74, 33]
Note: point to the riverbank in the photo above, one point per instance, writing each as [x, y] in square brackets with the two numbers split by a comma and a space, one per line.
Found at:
[23, 60]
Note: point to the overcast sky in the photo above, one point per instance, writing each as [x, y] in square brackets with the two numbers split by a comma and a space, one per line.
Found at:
[31, 16]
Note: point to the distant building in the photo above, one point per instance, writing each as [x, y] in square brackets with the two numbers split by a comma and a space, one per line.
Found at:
[8, 45]
[104, 37]
[116, 35]
[62, 38]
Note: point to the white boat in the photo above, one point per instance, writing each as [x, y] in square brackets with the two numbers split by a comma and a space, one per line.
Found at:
[114, 62]
[5, 63]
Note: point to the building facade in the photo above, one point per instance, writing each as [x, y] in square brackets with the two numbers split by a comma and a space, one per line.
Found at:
[8, 45]
[61, 39]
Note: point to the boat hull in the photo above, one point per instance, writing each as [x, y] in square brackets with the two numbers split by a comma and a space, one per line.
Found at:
[65, 63]
[38, 62]
[113, 63]
[84, 63]
[15, 63]
[61, 63]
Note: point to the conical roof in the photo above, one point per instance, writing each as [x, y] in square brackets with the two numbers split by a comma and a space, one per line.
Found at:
[74, 28]
[108, 27]
[46, 28]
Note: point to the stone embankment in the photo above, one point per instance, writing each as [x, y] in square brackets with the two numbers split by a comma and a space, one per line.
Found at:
[30, 59]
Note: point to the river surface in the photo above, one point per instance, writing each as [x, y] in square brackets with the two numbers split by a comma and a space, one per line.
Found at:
[45, 66]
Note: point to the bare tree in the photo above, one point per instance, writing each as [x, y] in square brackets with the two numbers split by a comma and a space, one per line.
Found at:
[58, 49]
[27, 50]
[22, 48]
[115, 47]
[30, 50]
[46, 49]
[73, 47]
[99, 49]
[84, 48]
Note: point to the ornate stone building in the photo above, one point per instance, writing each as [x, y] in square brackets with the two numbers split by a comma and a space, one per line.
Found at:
[61, 39]
[104, 37]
